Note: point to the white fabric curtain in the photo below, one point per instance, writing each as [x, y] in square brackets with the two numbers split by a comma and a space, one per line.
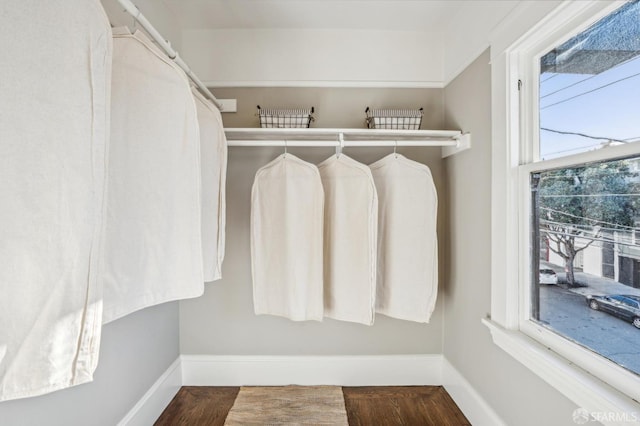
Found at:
[54, 122]
[407, 240]
[286, 239]
[153, 249]
[350, 239]
[213, 166]
[378, 233]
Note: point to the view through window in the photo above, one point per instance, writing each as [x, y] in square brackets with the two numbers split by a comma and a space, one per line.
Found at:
[586, 218]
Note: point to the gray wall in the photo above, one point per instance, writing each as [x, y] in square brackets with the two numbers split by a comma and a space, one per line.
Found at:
[134, 352]
[334, 107]
[517, 395]
[222, 321]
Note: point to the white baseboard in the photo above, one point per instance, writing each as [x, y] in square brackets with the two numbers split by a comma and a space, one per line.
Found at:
[155, 400]
[365, 370]
[474, 407]
[206, 370]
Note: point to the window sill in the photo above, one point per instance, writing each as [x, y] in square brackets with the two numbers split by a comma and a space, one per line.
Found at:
[605, 403]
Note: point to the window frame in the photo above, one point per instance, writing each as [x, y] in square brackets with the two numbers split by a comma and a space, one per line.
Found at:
[598, 365]
[588, 379]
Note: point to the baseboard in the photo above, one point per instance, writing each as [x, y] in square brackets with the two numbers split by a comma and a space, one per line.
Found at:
[365, 370]
[155, 400]
[207, 370]
[474, 407]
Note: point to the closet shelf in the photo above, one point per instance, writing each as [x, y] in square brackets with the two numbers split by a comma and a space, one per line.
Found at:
[451, 141]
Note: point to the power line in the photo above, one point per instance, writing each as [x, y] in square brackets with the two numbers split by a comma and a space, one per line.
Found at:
[572, 149]
[586, 237]
[566, 87]
[590, 91]
[586, 218]
[617, 227]
[584, 228]
[589, 195]
[582, 175]
[549, 78]
[586, 147]
[602, 138]
[588, 78]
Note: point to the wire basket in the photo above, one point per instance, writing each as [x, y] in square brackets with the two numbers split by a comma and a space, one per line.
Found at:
[285, 118]
[405, 119]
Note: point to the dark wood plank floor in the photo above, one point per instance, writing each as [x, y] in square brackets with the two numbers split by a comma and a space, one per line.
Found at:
[366, 406]
[401, 406]
[199, 405]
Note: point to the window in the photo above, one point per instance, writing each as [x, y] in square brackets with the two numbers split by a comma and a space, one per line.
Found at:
[588, 100]
[566, 198]
[589, 87]
[589, 209]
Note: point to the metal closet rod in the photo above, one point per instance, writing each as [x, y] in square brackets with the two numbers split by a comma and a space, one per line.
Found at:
[319, 137]
[359, 143]
[133, 10]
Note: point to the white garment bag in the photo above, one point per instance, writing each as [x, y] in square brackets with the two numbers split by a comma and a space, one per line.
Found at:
[286, 239]
[407, 240]
[350, 239]
[153, 249]
[213, 167]
[54, 121]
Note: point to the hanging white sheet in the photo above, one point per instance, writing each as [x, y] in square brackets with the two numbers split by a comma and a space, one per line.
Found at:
[153, 249]
[350, 239]
[286, 239]
[213, 167]
[54, 121]
[407, 240]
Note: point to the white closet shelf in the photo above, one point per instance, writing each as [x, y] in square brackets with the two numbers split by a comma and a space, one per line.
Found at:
[451, 141]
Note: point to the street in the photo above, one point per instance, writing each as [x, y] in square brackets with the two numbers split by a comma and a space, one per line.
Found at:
[568, 314]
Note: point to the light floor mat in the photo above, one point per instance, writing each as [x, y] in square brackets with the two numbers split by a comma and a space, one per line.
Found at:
[288, 405]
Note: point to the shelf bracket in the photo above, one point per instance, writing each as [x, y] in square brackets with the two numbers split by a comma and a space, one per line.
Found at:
[464, 143]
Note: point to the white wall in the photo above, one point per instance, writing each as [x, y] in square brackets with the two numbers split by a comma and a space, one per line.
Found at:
[334, 107]
[334, 57]
[467, 36]
[222, 321]
[555, 258]
[592, 263]
[516, 394]
[273, 57]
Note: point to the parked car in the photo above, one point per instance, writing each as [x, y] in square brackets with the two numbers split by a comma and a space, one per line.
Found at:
[623, 306]
[548, 276]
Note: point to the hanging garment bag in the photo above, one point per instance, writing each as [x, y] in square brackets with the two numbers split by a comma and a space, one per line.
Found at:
[153, 251]
[407, 241]
[213, 167]
[350, 239]
[54, 110]
[286, 239]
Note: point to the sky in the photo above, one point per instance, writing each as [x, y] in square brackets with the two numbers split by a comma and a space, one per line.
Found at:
[602, 105]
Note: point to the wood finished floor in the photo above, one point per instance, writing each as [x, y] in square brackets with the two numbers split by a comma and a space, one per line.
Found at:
[366, 406]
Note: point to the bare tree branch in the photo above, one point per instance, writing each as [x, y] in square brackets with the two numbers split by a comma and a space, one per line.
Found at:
[586, 245]
[596, 235]
[558, 240]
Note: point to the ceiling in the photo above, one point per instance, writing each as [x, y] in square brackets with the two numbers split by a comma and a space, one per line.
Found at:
[385, 15]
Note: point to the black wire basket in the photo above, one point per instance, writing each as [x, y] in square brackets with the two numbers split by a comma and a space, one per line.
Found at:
[403, 119]
[285, 118]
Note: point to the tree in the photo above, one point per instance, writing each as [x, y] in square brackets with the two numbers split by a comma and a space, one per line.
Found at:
[579, 206]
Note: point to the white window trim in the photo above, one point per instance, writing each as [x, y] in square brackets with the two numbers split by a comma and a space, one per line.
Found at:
[598, 385]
